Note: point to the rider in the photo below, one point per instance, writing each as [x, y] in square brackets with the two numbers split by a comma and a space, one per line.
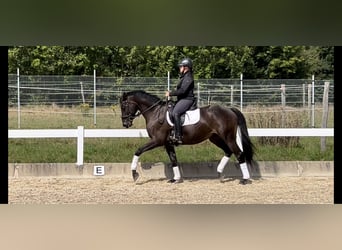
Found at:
[185, 96]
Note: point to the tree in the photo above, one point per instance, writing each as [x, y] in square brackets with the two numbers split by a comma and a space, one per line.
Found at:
[281, 62]
[320, 61]
[286, 63]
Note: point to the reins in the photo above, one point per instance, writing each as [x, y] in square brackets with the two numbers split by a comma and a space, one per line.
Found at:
[139, 112]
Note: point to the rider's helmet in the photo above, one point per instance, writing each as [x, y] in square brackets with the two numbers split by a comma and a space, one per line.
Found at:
[186, 62]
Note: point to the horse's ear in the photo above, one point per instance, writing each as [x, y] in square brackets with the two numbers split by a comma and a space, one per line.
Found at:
[124, 95]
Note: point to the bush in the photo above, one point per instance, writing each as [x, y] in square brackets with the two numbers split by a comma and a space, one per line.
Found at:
[277, 117]
[85, 107]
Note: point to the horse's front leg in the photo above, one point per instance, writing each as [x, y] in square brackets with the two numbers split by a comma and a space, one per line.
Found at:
[170, 149]
[148, 146]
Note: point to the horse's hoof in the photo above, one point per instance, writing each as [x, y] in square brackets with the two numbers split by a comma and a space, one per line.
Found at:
[135, 176]
[220, 176]
[173, 181]
[245, 181]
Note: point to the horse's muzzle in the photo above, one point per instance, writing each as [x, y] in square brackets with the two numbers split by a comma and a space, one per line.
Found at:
[127, 123]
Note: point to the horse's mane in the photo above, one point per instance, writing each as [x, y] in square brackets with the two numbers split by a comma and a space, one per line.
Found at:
[141, 93]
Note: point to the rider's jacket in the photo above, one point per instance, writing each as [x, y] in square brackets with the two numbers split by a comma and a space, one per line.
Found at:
[185, 87]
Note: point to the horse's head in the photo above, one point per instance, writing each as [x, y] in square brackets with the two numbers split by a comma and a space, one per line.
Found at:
[129, 110]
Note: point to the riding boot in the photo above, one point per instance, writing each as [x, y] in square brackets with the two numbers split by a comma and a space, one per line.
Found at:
[178, 130]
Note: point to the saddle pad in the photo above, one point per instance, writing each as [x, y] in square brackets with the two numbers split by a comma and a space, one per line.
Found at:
[190, 117]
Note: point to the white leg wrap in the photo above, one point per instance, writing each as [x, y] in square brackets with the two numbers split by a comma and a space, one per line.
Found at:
[244, 170]
[176, 173]
[134, 162]
[222, 164]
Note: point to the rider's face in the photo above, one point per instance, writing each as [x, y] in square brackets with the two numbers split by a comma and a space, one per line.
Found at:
[182, 69]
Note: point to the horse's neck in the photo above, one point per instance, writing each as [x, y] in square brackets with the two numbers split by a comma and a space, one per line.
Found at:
[150, 109]
[144, 105]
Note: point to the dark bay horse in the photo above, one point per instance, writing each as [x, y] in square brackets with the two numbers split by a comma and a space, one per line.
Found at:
[224, 127]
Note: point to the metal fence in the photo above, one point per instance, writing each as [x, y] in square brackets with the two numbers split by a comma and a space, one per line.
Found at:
[103, 91]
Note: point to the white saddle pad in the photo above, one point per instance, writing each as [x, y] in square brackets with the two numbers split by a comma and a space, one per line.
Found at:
[191, 117]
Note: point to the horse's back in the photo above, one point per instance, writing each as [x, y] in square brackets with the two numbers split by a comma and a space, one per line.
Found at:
[217, 112]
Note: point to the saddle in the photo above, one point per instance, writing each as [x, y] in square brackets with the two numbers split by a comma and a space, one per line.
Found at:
[191, 116]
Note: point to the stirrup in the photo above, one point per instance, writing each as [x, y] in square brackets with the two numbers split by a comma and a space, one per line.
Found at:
[177, 140]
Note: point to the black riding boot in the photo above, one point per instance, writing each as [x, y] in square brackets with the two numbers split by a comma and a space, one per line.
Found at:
[178, 130]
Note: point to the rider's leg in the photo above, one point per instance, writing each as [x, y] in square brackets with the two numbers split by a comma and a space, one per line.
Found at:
[180, 108]
[178, 128]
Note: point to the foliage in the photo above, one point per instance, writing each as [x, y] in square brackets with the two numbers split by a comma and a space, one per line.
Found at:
[281, 62]
[277, 117]
[85, 108]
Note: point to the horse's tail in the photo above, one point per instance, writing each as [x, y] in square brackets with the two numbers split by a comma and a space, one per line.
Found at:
[248, 147]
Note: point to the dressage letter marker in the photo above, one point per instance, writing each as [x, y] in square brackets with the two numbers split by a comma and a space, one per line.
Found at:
[98, 170]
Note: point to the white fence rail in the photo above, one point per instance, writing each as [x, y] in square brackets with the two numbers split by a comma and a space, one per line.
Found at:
[80, 133]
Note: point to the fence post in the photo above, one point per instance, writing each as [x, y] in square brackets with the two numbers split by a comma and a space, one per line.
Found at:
[283, 95]
[209, 97]
[241, 82]
[231, 95]
[313, 102]
[303, 95]
[18, 97]
[325, 113]
[80, 143]
[283, 104]
[309, 101]
[82, 93]
[95, 97]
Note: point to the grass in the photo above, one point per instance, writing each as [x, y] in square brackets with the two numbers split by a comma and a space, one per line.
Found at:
[122, 149]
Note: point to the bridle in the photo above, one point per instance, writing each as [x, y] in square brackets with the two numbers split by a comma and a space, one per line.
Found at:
[130, 116]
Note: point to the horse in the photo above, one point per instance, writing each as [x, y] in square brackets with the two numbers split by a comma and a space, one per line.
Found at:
[225, 127]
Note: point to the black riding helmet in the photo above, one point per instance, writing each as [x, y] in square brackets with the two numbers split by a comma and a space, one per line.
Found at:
[186, 62]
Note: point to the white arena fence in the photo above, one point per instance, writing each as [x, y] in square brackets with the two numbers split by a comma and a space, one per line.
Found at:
[80, 133]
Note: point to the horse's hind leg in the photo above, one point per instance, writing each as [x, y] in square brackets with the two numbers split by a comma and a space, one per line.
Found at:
[170, 149]
[215, 139]
[236, 146]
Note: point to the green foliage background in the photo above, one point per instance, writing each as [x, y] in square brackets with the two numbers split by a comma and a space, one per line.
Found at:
[275, 62]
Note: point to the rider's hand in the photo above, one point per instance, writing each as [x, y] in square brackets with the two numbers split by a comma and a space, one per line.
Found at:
[167, 93]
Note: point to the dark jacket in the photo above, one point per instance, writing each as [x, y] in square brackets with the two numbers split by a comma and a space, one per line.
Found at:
[185, 87]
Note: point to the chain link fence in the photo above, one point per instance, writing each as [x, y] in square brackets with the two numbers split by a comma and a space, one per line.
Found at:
[106, 91]
[75, 100]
